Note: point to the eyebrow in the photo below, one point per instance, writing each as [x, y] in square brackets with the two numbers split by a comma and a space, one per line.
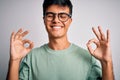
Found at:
[59, 13]
[56, 13]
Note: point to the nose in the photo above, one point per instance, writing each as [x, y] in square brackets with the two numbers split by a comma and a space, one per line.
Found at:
[56, 19]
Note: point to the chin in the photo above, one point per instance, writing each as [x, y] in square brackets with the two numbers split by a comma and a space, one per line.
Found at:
[56, 36]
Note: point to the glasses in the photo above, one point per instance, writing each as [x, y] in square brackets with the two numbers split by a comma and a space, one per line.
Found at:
[50, 16]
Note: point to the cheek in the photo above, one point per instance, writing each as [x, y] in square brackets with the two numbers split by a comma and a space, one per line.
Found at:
[67, 24]
[46, 25]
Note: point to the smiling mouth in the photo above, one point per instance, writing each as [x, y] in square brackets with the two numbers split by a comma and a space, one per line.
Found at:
[56, 27]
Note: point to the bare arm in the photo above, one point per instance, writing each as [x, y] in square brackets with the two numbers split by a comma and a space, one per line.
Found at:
[102, 52]
[17, 52]
[13, 72]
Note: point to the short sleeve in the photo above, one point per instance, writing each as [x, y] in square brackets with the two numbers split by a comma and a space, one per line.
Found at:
[24, 71]
[95, 72]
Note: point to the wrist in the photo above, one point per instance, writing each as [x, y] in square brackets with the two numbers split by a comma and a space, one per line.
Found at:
[107, 70]
[107, 64]
[13, 58]
[108, 61]
[17, 60]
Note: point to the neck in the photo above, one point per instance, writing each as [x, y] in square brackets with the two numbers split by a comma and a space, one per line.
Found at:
[58, 44]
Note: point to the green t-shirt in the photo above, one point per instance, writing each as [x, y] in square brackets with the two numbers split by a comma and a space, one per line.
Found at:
[73, 63]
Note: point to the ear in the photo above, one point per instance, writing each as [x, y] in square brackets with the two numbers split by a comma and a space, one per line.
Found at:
[44, 19]
[70, 20]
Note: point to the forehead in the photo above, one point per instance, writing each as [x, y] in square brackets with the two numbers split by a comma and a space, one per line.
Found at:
[57, 9]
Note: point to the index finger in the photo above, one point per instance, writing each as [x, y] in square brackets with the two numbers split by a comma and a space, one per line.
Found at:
[30, 43]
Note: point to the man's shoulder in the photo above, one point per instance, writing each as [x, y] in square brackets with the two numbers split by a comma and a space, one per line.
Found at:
[79, 48]
[35, 53]
[82, 52]
[37, 49]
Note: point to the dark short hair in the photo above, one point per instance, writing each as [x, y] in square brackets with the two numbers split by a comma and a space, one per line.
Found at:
[63, 3]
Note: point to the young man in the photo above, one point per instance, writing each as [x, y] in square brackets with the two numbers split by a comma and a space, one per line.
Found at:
[59, 59]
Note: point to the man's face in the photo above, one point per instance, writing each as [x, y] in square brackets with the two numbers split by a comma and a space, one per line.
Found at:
[57, 21]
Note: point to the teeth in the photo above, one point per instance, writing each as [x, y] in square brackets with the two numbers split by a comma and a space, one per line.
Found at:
[57, 27]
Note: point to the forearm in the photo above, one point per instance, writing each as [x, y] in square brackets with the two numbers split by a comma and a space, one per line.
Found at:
[107, 71]
[13, 72]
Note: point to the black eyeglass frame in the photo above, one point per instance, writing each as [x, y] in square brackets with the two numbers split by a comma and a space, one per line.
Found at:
[58, 15]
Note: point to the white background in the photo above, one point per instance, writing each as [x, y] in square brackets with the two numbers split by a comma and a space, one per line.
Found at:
[27, 14]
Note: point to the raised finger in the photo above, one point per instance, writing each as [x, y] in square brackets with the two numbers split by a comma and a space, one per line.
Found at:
[101, 33]
[96, 33]
[108, 35]
[24, 33]
[17, 35]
